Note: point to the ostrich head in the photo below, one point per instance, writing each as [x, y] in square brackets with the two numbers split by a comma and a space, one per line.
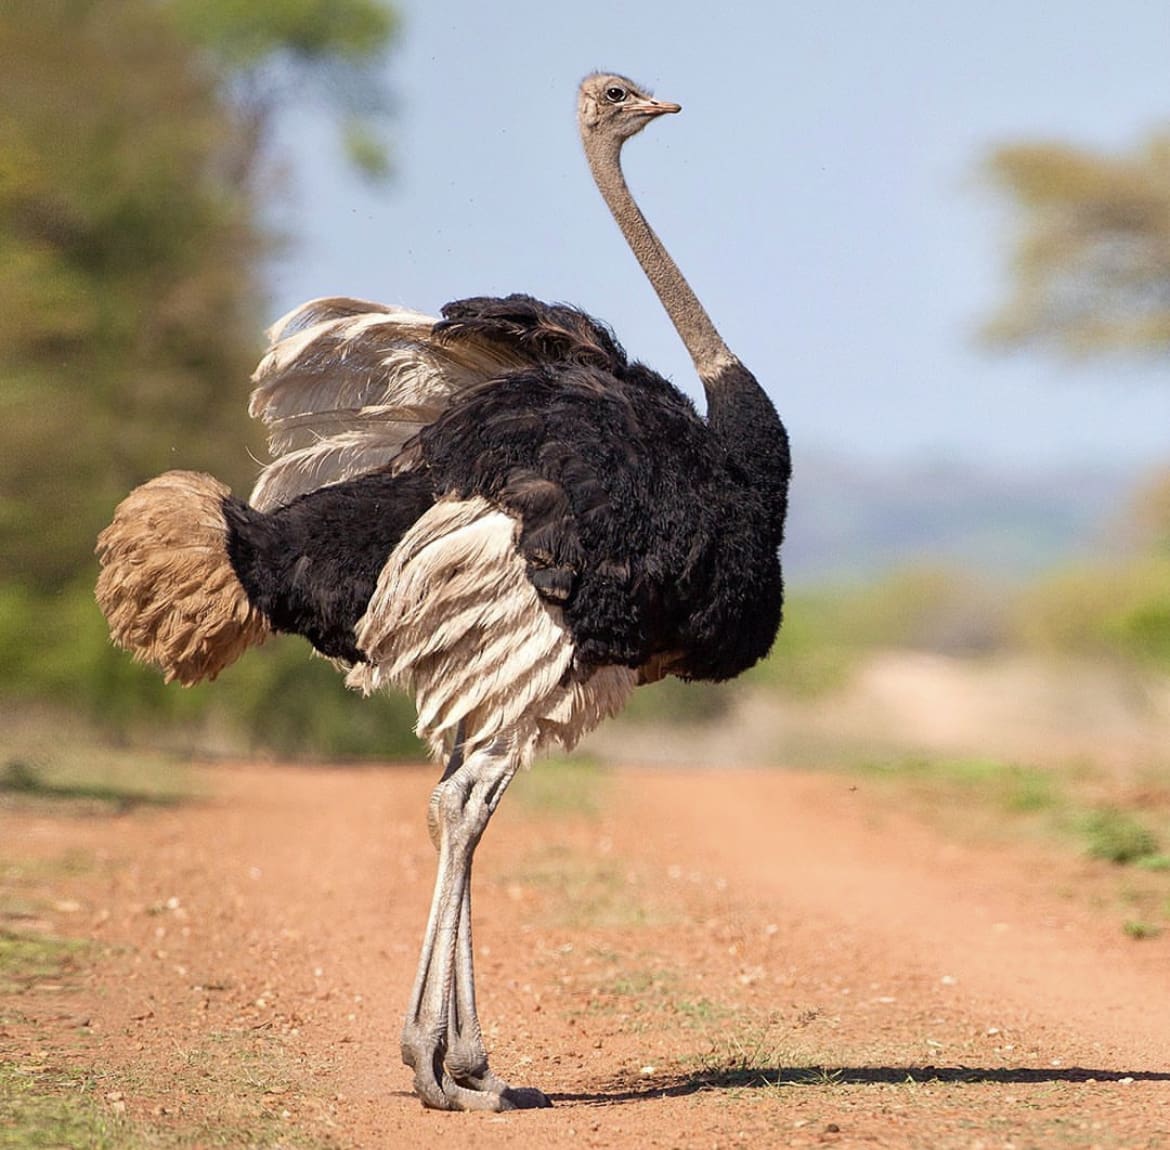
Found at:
[615, 108]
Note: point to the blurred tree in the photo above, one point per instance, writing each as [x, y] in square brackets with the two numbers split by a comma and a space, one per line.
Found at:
[1091, 274]
[268, 55]
[1151, 513]
[1091, 266]
[131, 132]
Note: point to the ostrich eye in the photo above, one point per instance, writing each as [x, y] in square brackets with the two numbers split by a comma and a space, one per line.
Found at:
[615, 95]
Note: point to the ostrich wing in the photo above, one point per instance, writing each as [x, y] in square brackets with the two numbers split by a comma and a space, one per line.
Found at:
[346, 383]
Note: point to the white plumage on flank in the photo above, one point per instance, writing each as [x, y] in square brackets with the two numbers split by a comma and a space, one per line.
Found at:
[456, 622]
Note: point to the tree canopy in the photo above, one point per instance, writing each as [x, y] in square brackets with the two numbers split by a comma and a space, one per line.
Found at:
[131, 241]
[1090, 269]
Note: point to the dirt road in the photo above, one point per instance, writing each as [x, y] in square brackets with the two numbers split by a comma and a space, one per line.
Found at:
[679, 958]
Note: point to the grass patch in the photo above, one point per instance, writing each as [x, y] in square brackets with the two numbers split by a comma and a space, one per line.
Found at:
[560, 786]
[56, 655]
[1118, 837]
[582, 891]
[1007, 788]
[26, 959]
[28, 872]
[44, 1108]
[745, 1057]
[700, 1013]
[643, 998]
[239, 1089]
[648, 996]
[1139, 930]
[1110, 832]
[640, 984]
[988, 799]
[23, 882]
[108, 780]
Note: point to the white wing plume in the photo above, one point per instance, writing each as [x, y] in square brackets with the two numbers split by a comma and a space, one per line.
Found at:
[346, 383]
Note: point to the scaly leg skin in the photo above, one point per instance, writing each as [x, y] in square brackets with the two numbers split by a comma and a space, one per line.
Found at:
[441, 1040]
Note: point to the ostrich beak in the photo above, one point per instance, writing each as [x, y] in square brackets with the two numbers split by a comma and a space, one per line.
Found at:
[655, 108]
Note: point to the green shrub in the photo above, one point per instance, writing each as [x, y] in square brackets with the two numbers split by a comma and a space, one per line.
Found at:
[1139, 930]
[926, 608]
[289, 701]
[1119, 610]
[814, 651]
[1116, 836]
[675, 703]
[56, 649]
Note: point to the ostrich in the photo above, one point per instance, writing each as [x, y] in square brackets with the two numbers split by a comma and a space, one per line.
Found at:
[497, 511]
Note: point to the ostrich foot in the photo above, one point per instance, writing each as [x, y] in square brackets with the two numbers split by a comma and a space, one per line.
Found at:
[444, 1081]
[441, 1040]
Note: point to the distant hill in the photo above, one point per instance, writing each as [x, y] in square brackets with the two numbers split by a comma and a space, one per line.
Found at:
[853, 520]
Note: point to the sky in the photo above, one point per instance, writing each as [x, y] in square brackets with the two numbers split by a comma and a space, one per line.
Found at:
[822, 192]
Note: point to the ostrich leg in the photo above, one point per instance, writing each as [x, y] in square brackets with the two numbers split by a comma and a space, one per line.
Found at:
[441, 1040]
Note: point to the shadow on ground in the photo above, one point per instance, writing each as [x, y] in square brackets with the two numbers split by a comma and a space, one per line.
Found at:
[756, 1077]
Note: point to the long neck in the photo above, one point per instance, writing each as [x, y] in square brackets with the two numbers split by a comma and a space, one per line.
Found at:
[737, 407]
[710, 354]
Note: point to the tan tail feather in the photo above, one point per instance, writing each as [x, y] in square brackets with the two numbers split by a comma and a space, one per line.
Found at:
[167, 587]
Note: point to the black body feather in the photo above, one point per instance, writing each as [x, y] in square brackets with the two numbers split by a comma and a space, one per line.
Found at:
[655, 530]
[312, 565]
